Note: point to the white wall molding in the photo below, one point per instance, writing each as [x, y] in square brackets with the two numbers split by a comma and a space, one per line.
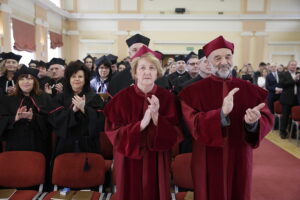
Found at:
[100, 52]
[71, 32]
[159, 42]
[284, 43]
[95, 41]
[183, 17]
[41, 22]
[5, 8]
[261, 34]
[247, 33]
[169, 17]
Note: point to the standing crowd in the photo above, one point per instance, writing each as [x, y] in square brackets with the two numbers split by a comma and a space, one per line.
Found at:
[200, 104]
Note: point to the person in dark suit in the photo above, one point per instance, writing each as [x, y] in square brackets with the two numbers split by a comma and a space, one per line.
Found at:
[272, 85]
[289, 81]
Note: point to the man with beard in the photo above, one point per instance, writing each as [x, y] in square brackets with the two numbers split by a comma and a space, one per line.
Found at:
[226, 125]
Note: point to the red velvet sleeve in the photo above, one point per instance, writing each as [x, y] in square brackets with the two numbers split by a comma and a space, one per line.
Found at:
[265, 126]
[165, 135]
[205, 127]
[126, 139]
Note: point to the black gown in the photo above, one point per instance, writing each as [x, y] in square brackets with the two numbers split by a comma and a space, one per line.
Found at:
[77, 132]
[3, 83]
[124, 79]
[26, 135]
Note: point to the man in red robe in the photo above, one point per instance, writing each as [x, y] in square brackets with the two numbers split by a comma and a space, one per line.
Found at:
[227, 118]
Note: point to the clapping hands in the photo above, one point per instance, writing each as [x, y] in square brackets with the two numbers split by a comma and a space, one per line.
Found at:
[78, 103]
[151, 112]
[24, 113]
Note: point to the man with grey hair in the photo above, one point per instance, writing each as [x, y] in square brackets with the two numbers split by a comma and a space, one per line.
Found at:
[227, 118]
[57, 71]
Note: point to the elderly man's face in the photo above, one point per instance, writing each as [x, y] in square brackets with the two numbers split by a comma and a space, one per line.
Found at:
[134, 48]
[57, 71]
[221, 59]
[205, 66]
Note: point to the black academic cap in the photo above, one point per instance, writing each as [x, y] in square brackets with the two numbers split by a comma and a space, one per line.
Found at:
[59, 61]
[201, 54]
[11, 55]
[42, 64]
[33, 61]
[187, 57]
[179, 57]
[102, 60]
[137, 38]
[89, 56]
[113, 59]
[162, 55]
[26, 70]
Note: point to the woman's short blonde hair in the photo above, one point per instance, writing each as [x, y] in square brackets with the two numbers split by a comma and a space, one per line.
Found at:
[150, 58]
[2, 68]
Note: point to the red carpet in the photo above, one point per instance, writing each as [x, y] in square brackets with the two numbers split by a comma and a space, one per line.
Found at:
[276, 174]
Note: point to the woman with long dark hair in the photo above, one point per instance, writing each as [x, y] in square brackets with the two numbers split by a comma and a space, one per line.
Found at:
[24, 119]
[77, 114]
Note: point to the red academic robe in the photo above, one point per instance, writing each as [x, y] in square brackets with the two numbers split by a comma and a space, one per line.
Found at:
[222, 157]
[142, 159]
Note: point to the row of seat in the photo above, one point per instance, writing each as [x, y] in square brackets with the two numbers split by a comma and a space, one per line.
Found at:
[23, 169]
[295, 118]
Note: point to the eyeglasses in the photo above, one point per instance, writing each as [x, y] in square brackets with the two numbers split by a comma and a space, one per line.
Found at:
[194, 64]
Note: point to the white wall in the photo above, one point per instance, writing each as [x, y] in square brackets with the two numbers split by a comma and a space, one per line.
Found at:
[285, 6]
[192, 5]
[54, 21]
[95, 5]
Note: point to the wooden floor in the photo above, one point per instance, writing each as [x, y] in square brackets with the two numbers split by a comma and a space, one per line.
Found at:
[289, 145]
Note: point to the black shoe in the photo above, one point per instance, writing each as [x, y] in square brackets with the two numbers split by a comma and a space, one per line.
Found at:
[283, 134]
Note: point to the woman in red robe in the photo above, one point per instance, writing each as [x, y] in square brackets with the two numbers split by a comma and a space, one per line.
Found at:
[142, 124]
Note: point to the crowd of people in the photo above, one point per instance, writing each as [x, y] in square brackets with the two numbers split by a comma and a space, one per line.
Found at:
[199, 102]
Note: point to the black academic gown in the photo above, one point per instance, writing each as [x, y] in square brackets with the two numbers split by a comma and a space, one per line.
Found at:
[3, 84]
[52, 82]
[77, 132]
[120, 81]
[174, 78]
[43, 81]
[26, 135]
[123, 79]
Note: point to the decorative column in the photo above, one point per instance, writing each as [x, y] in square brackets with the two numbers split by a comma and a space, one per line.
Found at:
[41, 33]
[5, 28]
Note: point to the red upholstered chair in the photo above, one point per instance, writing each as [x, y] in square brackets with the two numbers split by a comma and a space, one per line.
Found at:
[106, 150]
[68, 171]
[182, 175]
[22, 169]
[278, 111]
[295, 115]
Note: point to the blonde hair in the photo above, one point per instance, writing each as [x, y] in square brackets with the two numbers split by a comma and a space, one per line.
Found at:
[2, 68]
[150, 58]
